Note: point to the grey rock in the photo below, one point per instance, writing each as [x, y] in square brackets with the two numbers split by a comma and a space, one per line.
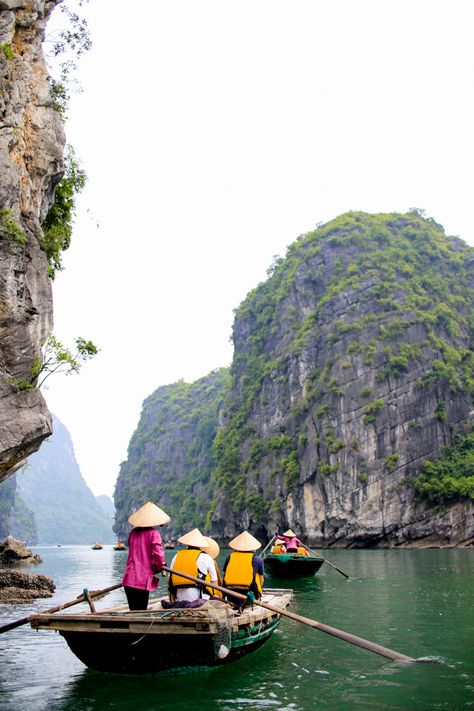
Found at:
[13, 552]
[17, 587]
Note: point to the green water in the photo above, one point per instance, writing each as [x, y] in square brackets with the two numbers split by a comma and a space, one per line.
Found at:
[420, 603]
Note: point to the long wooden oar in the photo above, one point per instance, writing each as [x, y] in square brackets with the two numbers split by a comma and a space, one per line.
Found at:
[326, 561]
[82, 598]
[346, 636]
[268, 545]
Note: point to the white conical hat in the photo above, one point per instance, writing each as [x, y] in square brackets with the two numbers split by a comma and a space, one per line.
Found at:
[149, 515]
[194, 538]
[245, 542]
[213, 547]
[290, 532]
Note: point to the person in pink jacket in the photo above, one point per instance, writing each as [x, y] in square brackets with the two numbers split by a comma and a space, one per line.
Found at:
[145, 555]
[290, 540]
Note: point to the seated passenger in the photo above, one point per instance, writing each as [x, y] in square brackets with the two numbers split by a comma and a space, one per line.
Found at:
[243, 570]
[194, 561]
[279, 548]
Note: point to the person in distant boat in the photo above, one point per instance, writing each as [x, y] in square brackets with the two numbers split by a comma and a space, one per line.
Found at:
[145, 555]
[243, 570]
[289, 539]
[193, 560]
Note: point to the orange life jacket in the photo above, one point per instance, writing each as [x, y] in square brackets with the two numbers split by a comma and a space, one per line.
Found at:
[186, 562]
[239, 573]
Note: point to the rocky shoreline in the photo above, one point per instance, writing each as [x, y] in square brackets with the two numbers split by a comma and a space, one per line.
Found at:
[16, 586]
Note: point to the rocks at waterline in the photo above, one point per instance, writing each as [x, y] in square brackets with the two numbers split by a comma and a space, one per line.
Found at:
[17, 587]
[13, 552]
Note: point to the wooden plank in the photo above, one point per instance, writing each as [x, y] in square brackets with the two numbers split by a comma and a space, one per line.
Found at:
[165, 630]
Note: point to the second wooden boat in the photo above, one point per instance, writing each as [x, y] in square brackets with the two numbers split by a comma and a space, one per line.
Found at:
[118, 640]
[291, 565]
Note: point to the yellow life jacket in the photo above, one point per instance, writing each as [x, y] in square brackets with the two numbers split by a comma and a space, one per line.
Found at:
[186, 562]
[239, 573]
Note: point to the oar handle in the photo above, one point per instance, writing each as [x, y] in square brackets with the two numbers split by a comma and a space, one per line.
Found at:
[345, 636]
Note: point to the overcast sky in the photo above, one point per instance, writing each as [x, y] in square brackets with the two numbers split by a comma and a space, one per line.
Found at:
[213, 134]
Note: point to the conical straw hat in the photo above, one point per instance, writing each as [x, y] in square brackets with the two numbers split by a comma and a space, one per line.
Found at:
[245, 542]
[194, 538]
[213, 547]
[149, 515]
[289, 533]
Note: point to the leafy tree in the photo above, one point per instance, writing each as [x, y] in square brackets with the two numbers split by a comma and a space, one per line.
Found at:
[57, 357]
[58, 223]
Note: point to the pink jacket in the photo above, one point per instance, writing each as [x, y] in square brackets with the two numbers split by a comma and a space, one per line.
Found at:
[290, 542]
[145, 556]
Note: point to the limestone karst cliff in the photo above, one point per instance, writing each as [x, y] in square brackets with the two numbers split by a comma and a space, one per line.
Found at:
[31, 164]
[170, 454]
[353, 367]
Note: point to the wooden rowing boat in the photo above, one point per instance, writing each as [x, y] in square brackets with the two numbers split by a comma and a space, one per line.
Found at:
[291, 565]
[158, 639]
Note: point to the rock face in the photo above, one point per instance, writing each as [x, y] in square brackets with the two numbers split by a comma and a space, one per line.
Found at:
[13, 552]
[352, 380]
[353, 364]
[17, 587]
[170, 455]
[31, 164]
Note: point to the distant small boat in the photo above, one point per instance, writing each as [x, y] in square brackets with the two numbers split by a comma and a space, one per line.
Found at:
[120, 546]
[97, 547]
[169, 544]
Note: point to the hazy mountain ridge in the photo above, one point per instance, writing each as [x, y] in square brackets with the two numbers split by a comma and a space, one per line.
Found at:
[51, 485]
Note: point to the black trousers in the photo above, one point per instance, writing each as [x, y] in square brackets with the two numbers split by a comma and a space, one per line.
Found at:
[137, 599]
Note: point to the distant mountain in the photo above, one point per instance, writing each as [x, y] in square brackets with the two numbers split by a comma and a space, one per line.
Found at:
[64, 507]
[107, 505]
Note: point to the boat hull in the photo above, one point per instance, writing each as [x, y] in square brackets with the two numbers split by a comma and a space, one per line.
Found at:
[141, 654]
[159, 640]
[292, 566]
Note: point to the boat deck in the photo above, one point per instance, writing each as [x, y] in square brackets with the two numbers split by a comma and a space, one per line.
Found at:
[157, 620]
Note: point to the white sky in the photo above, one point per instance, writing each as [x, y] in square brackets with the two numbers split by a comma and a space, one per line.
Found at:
[214, 133]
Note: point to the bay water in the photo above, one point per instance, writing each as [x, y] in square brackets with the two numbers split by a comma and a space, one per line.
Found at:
[419, 602]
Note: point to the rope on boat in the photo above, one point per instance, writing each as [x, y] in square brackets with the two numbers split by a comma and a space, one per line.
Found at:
[255, 634]
[137, 641]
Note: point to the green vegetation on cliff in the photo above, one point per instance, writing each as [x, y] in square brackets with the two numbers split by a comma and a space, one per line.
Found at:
[58, 223]
[170, 454]
[353, 365]
[451, 475]
[391, 292]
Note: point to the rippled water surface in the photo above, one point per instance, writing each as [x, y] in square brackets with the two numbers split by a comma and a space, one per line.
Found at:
[420, 603]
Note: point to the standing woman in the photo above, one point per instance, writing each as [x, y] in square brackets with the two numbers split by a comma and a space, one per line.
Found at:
[145, 555]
